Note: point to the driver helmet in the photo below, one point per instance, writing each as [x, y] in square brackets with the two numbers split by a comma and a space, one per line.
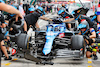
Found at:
[62, 13]
[83, 26]
[40, 11]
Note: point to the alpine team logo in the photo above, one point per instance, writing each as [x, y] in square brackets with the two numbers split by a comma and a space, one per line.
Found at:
[61, 35]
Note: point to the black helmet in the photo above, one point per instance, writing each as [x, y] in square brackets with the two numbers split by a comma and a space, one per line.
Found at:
[65, 13]
[40, 10]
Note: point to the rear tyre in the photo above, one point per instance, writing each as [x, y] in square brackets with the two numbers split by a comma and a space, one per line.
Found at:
[77, 42]
[22, 41]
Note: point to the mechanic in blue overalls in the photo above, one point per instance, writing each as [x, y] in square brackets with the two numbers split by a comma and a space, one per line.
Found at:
[7, 38]
[89, 34]
[8, 9]
[67, 17]
[98, 20]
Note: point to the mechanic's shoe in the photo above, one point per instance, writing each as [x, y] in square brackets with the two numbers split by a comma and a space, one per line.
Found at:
[8, 52]
[8, 58]
[95, 57]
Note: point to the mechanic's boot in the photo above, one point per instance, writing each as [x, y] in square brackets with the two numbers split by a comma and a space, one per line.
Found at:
[8, 52]
[95, 57]
[8, 58]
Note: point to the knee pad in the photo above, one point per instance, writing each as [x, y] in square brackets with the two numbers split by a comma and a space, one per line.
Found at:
[90, 41]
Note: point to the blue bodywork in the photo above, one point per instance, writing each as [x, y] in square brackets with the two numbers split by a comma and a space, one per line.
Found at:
[94, 17]
[52, 31]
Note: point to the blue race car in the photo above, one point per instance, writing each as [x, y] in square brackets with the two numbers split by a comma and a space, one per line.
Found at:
[55, 42]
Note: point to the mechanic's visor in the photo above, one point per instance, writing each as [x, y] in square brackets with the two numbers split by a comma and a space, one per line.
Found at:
[83, 29]
[62, 13]
[39, 11]
[80, 26]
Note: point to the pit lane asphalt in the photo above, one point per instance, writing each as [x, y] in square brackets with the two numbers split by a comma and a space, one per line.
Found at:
[58, 62]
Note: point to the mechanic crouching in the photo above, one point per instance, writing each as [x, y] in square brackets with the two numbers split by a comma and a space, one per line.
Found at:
[89, 34]
[8, 9]
[3, 48]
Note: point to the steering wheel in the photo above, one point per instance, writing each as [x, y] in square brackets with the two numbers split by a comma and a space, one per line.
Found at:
[16, 27]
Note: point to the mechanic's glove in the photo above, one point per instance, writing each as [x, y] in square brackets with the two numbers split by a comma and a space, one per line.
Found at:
[57, 20]
[77, 17]
[54, 20]
[25, 32]
[85, 37]
[71, 16]
[2, 18]
[38, 29]
[90, 41]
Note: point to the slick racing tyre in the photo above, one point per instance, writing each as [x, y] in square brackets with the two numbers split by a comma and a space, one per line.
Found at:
[22, 41]
[77, 42]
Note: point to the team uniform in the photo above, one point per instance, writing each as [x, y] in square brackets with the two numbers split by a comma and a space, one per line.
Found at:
[1, 21]
[98, 13]
[98, 23]
[31, 19]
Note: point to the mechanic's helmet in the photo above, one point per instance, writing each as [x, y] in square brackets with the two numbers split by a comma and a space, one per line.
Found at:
[31, 10]
[83, 25]
[62, 13]
[40, 11]
[2, 1]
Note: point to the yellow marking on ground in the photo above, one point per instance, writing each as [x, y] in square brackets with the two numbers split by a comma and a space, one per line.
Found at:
[89, 60]
[89, 66]
[14, 59]
[7, 64]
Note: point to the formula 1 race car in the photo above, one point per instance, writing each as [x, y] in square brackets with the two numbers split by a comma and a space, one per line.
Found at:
[55, 42]
[43, 46]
